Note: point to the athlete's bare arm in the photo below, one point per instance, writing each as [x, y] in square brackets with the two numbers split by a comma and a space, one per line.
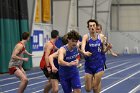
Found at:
[51, 57]
[109, 45]
[113, 53]
[16, 51]
[84, 40]
[56, 48]
[48, 48]
[61, 61]
[26, 52]
[80, 51]
[106, 46]
[79, 44]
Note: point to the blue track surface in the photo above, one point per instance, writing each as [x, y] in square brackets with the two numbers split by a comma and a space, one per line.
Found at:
[122, 76]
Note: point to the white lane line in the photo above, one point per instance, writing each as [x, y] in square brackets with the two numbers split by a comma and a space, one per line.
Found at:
[121, 61]
[135, 89]
[19, 81]
[117, 65]
[41, 90]
[120, 81]
[121, 71]
[27, 86]
[38, 91]
[26, 74]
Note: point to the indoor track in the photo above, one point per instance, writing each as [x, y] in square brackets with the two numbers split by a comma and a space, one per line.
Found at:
[122, 76]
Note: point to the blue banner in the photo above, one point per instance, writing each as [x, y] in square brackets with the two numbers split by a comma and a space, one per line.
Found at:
[37, 40]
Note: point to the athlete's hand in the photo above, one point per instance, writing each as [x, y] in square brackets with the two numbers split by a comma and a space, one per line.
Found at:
[76, 62]
[54, 69]
[114, 54]
[25, 59]
[109, 46]
[49, 69]
[87, 53]
[31, 55]
[73, 63]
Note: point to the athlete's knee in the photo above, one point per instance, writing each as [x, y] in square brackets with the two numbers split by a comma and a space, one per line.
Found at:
[88, 86]
[24, 79]
[55, 90]
[77, 91]
[88, 89]
[95, 87]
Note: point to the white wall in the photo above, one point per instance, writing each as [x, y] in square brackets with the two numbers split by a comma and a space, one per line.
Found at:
[120, 40]
[60, 15]
[126, 1]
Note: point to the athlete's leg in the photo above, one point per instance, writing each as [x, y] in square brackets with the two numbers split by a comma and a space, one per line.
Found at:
[99, 87]
[22, 70]
[88, 82]
[23, 78]
[54, 85]
[97, 81]
[48, 86]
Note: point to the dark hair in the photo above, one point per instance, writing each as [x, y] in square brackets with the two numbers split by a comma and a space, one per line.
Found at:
[54, 33]
[99, 25]
[25, 35]
[73, 35]
[91, 20]
[64, 39]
